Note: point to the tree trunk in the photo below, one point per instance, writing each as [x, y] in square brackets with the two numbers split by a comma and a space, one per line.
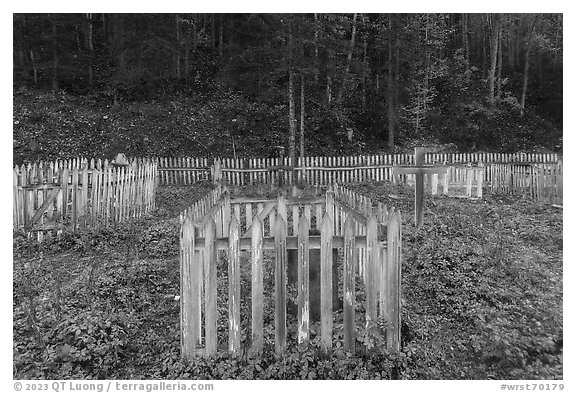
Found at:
[526, 68]
[397, 75]
[539, 59]
[302, 107]
[194, 33]
[349, 59]
[291, 100]
[328, 89]
[426, 68]
[518, 36]
[55, 54]
[390, 85]
[418, 113]
[292, 118]
[78, 45]
[105, 29]
[34, 67]
[465, 42]
[177, 54]
[484, 49]
[118, 43]
[316, 59]
[499, 66]
[19, 37]
[213, 30]
[511, 44]
[221, 36]
[90, 50]
[187, 39]
[493, 57]
[556, 44]
[364, 73]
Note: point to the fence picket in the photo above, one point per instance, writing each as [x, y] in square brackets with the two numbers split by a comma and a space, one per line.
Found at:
[349, 283]
[326, 234]
[257, 285]
[394, 249]
[210, 285]
[372, 271]
[303, 281]
[280, 285]
[234, 286]
[188, 285]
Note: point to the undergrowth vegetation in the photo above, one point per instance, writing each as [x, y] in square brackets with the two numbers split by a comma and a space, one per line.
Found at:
[481, 288]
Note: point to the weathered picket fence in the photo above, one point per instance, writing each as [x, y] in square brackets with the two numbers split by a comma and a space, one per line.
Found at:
[464, 181]
[71, 193]
[183, 170]
[324, 170]
[532, 181]
[345, 221]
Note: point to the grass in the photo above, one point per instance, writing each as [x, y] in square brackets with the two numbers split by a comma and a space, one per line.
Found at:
[481, 281]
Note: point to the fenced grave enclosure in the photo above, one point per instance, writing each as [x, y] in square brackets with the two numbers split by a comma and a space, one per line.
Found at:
[300, 234]
[76, 193]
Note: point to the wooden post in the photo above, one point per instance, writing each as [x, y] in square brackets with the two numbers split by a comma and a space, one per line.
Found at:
[469, 175]
[257, 285]
[211, 311]
[188, 288]
[327, 231]
[480, 183]
[394, 251]
[303, 281]
[349, 284]
[234, 287]
[419, 194]
[64, 202]
[280, 285]
[372, 270]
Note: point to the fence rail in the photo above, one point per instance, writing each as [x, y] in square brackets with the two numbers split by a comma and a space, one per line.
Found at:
[367, 235]
[72, 193]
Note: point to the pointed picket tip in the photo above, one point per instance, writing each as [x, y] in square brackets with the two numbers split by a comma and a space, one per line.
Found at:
[256, 226]
[394, 220]
[210, 225]
[303, 226]
[372, 222]
[234, 227]
[280, 227]
[327, 226]
[349, 226]
[187, 230]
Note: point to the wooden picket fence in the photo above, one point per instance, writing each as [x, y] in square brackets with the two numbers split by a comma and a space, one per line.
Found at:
[323, 170]
[72, 193]
[532, 181]
[183, 170]
[345, 221]
[463, 181]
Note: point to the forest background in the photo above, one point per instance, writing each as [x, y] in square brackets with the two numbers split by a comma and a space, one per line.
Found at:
[319, 84]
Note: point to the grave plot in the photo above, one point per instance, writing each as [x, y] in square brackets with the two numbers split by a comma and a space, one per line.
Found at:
[454, 180]
[305, 236]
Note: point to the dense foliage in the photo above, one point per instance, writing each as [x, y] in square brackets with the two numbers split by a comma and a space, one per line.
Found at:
[226, 84]
[482, 299]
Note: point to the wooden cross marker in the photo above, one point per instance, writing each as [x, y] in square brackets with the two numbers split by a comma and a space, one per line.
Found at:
[419, 170]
